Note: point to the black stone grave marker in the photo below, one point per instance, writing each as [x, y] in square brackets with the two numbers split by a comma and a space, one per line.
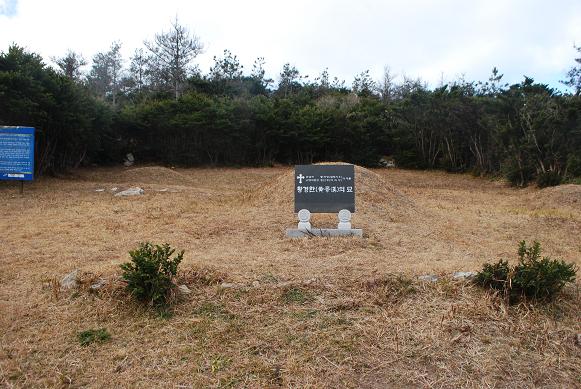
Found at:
[324, 188]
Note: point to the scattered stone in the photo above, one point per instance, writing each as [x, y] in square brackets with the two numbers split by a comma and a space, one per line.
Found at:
[456, 338]
[99, 190]
[385, 162]
[428, 278]
[115, 189]
[129, 160]
[579, 339]
[101, 282]
[131, 192]
[184, 289]
[464, 275]
[70, 280]
[228, 285]
[257, 284]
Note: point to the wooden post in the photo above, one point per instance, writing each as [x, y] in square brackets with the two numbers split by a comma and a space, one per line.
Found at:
[21, 187]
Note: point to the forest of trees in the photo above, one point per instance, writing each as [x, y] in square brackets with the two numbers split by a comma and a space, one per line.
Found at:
[159, 106]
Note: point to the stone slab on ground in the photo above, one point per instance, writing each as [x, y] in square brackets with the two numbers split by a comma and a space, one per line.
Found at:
[100, 283]
[324, 232]
[130, 192]
[183, 289]
[70, 280]
[464, 275]
[428, 278]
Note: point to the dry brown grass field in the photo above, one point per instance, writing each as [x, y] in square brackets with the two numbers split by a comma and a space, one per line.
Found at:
[303, 313]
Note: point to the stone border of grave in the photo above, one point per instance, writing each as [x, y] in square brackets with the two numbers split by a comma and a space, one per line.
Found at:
[71, 281]
[457, 276]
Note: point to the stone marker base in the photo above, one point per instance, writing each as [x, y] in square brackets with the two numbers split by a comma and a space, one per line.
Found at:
[330, 232]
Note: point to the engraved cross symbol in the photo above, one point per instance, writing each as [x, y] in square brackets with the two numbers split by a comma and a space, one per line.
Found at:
[300, 177]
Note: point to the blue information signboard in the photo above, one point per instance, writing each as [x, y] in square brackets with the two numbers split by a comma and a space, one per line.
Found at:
[17, 153]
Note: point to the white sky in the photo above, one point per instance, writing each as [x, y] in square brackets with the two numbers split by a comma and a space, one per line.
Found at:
[420, 38]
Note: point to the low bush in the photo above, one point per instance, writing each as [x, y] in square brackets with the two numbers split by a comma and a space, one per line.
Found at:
[574, 165]
[518, 173]
[533, 277]
[150, 273]
[547, 179]
[91, 336]
[296, 295]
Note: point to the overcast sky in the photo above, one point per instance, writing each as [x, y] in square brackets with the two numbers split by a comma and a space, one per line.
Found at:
[420, 38]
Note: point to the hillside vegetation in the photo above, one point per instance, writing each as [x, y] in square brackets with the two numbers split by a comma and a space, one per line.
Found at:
[177, 116]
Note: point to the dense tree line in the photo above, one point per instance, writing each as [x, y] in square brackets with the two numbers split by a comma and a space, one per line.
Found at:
[72, 125]
[161, 108]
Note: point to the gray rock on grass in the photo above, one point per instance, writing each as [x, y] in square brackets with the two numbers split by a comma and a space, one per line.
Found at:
[101, 282]
[464, 275]
[428, 278]
[70, 280]
[229, 285]
[183, 289]
[129, 160]
[136, 191]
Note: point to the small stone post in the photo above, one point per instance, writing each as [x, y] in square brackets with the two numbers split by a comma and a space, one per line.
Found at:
[304, 220]
[344, 217]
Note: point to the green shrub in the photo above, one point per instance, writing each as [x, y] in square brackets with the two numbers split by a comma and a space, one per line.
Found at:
[91, 336]
[494, 275]
[296, 295]
[150, 273]
[574, 165]
[547, 179]
[541, 277]
[533, 276]
[518, 174]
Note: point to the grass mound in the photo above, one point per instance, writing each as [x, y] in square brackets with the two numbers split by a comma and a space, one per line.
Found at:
[153, 175]
[564, 195]
[373, 194]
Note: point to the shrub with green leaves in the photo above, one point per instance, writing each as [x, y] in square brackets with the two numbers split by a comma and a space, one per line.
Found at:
[574, 165]
[549, 178]
[533, 277]
[150, 273]
[494, 275]
[91, 336]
